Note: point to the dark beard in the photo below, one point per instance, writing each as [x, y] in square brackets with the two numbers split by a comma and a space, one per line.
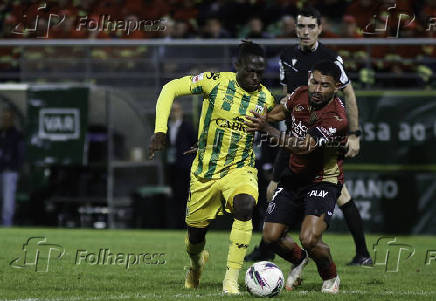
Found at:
[317, 106]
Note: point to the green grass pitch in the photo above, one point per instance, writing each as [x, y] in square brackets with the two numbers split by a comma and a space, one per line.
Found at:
[159, 275]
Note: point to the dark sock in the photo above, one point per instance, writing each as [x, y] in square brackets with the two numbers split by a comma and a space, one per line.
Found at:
[294, 256]
[265, 249]
[355, 225]
[327, 271]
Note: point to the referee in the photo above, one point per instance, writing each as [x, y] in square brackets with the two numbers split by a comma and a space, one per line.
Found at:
[295, 63]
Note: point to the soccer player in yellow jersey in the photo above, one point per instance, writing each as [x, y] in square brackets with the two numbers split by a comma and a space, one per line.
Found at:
[223, 168]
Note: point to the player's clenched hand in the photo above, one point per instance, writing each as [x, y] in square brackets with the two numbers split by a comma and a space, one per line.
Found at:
[257, 122]
[157, 143]
[353, 146]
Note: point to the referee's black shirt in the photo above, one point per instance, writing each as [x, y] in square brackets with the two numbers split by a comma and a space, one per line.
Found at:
[295, 65]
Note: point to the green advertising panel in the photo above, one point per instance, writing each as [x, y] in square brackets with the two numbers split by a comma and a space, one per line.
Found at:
[392, 202]
[56, 125]
[393, 179]
[398, 129]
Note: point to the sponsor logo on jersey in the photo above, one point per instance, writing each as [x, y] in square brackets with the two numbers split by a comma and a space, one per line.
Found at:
[236, 124]
[327, 132]
[319, 193]
[298, 129]
[332, 130]
[198, 77]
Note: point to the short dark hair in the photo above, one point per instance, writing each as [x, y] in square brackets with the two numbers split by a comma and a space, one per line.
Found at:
[310, 11]
[247, 48]
[328, 68]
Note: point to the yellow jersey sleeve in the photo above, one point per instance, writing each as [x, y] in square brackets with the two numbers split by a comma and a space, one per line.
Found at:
[202, 83]
[270, 101]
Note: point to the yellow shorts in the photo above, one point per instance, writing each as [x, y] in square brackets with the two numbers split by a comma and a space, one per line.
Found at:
[208, 198]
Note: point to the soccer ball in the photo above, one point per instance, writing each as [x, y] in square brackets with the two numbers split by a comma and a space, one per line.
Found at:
[264, 279]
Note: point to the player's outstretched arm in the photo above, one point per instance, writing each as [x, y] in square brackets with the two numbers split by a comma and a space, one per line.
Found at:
[278, 113]
[353, 143]
[173, 89]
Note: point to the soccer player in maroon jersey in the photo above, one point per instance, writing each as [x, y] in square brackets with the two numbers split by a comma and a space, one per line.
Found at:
[307, 194]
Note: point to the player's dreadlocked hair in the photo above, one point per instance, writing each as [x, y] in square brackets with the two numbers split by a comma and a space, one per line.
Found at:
[247, 48]
[328, 68]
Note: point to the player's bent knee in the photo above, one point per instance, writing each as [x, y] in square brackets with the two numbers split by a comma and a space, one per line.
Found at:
[308, 241]
[243, 205]
[271, 235]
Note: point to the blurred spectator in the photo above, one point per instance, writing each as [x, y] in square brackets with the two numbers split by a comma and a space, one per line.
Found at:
[181, 30]
[187, 12]
[349, 28]
[214, 30]
[254, 29]
[11, 160]
[327, 31]
[287, 28]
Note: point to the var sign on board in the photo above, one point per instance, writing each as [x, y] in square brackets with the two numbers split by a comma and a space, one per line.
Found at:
[59, 123]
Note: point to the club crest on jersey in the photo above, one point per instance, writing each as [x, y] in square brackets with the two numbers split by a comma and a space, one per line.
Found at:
[198, 77]
[298, 108]
[258, 109]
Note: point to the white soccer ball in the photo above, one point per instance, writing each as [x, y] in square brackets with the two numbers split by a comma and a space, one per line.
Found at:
[264, 279]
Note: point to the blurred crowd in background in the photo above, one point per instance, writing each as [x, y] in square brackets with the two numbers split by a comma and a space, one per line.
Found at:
[217, 19]
[250, 19]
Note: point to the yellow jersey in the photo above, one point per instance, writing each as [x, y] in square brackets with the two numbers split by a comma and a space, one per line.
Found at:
[223, 142]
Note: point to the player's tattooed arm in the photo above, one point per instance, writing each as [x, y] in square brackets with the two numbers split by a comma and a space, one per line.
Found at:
[294, 144]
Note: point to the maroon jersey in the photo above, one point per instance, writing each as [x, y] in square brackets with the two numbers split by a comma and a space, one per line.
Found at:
[328, 126]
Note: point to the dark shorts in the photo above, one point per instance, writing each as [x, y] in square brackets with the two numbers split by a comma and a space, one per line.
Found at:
[290, 205]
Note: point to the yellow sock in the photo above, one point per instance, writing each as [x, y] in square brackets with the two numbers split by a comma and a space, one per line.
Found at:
[240, 237]
[232, 274]
[194, 251]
